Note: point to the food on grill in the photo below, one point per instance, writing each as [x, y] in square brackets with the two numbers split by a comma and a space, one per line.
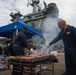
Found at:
[31, 56]
[28, 57]
[14, 57]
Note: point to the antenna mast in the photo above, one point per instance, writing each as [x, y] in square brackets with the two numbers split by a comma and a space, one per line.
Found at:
[34, 5]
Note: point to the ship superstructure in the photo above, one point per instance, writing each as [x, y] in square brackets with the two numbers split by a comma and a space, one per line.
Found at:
[38, 16]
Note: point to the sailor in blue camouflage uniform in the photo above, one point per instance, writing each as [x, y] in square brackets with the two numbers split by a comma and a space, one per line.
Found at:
[68, 35]
[20, 44]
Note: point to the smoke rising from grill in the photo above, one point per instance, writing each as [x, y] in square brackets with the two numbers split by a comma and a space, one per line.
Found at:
[50, 30]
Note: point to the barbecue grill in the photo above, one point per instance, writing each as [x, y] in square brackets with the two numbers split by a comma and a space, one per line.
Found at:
[31, 61]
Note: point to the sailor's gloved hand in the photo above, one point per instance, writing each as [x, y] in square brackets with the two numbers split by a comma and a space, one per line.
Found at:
[48, 46]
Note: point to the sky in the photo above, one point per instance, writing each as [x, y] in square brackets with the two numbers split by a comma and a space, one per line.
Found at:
[67, 9]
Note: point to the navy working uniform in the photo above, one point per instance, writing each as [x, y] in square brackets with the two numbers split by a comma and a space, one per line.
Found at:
[69, 39]
[19, 44]
[18, 48]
